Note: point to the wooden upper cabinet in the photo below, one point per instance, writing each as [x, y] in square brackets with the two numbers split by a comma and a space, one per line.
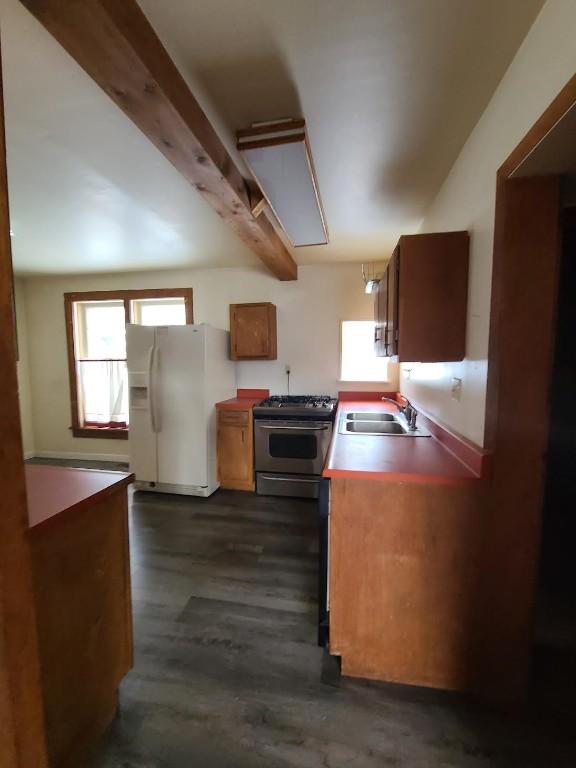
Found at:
[380, 312]
[391, 317]
[253, 331]
[423, 318]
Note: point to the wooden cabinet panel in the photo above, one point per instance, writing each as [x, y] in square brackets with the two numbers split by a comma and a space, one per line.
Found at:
[83, 606]
[253, 331]
[391, 336]
[238, 418]
[433, 297]
[423, 317]
[236, 450]
[408, 613]
[380, 313]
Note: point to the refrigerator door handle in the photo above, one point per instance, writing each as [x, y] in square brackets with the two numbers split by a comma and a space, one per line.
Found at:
[151, 389]
[155, 404]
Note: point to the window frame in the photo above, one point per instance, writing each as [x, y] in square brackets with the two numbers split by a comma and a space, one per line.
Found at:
[127, 297]
[359, 380]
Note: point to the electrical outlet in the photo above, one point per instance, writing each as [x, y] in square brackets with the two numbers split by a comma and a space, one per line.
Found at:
[456, 388]
[287, 369]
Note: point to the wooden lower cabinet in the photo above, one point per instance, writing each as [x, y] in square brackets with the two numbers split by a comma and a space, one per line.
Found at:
[404, 581]
[83, 606]
[236, 450]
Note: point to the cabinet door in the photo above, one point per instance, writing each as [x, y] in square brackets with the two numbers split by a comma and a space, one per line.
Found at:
[235, 451]
[433, 284]
[391, 333]
[253, 331]
[380, 316]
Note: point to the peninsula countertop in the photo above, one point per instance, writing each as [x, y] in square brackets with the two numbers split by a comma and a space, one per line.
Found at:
[55, 490]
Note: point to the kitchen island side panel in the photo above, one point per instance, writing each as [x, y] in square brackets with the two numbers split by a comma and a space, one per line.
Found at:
[83, 604]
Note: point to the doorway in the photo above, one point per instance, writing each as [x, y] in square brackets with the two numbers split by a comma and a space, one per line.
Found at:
[528, 245]
[555, 629]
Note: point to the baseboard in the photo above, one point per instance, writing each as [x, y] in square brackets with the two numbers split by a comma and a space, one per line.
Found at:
[116, 458]
[29, 455]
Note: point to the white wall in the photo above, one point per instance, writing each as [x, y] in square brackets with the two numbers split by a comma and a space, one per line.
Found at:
[309, 311]
[544, 63]
[24, 371]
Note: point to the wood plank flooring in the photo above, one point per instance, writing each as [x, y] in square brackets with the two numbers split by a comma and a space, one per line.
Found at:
[228, 675]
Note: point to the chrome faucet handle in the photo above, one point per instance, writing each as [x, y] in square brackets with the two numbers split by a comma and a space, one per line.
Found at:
[408, 411]
[411, 414]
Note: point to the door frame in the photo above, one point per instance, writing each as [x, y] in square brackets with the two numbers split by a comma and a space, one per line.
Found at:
[22, 739]
[520, 362]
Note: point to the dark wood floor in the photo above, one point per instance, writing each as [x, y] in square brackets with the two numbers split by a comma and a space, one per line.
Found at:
[228, 675]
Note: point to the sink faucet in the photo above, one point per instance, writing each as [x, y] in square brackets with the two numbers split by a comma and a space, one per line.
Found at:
[408, 411]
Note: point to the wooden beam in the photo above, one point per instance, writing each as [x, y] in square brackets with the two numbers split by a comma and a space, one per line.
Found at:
[115, 44]
[257, 200]
[22, 742]
[259, 207]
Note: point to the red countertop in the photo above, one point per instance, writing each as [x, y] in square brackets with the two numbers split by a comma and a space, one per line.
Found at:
[54, 490]
[382, 457]
[245, 399]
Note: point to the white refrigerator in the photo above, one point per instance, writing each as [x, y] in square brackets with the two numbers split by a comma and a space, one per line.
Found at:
[176, 374]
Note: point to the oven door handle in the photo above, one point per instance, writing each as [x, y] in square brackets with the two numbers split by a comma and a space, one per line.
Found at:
[289, 479]
[306, 429]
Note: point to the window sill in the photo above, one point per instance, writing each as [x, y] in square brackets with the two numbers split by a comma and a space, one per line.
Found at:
[106, 434]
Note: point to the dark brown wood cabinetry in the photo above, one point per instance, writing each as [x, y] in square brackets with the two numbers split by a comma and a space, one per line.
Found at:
[253, 331]
[420, 304]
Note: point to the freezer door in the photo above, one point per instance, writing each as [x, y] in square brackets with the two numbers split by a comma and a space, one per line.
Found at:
[182, 435]
[142, 357]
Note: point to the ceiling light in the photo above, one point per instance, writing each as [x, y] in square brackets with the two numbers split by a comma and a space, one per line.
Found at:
[279, 157]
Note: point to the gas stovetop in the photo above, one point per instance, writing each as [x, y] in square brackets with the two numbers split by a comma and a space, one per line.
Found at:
[303, 406]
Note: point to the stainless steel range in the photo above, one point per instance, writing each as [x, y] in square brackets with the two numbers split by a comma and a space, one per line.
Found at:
[291, 438]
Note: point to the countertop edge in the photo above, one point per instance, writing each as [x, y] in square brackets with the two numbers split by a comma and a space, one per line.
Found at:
[122, 482]
[399, 477]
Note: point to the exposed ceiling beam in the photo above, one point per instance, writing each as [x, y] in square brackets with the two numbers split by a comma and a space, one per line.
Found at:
[115, 44]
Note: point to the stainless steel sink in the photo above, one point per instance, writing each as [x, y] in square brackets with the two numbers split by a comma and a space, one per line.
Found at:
[369, 416]
[380, 424]
[375, 428]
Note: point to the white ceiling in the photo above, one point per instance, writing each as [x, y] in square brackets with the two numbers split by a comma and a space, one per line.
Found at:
[390, 90]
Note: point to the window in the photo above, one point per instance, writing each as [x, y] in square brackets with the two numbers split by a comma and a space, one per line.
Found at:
[158, 311]
[96, 334]
[358, 361]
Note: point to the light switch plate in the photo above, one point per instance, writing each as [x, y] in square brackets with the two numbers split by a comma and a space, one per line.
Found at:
[456, 388]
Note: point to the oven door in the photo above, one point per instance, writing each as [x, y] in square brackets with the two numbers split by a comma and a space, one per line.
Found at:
[297, 447]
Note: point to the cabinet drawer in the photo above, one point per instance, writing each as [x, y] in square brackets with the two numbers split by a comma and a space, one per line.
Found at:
[240, 418]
